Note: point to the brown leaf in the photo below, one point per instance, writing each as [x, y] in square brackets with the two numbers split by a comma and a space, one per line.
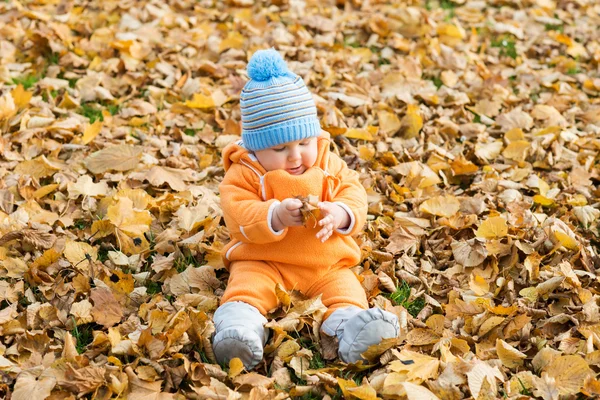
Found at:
[175, 178]
[35, 383]
[141, 390]
[469, 253]
[33, 237]
[107, 311]
[115, 158]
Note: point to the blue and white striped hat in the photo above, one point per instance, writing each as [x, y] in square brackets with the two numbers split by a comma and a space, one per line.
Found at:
[276, 105]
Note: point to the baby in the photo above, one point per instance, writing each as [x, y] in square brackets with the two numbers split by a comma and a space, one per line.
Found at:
[283, 154]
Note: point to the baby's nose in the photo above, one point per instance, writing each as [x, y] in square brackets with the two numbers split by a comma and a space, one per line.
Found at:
[294, 154]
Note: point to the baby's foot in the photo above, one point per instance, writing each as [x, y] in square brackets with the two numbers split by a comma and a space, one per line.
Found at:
[239, 332]
[238, 342]
[365, 329]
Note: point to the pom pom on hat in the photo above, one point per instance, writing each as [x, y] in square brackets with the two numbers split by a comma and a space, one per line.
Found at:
[266, 64]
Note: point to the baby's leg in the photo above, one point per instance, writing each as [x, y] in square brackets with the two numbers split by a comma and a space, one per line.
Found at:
[339, 289]
[253, 282]
[239, 321]
[348, 317]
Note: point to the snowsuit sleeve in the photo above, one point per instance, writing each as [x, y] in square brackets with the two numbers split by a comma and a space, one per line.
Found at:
[247, 216]
[349, 194]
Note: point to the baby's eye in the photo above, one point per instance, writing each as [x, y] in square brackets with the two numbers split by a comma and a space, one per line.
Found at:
[304, 143]
[279, 149]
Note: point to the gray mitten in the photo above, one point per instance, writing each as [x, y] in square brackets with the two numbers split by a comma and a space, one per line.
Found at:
[239, 332]
[357, 329]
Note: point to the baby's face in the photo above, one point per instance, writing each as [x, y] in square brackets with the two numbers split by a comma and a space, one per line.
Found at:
[294, 157]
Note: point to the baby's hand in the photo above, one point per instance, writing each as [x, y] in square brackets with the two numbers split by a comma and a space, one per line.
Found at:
[334, 217]
[287, 213]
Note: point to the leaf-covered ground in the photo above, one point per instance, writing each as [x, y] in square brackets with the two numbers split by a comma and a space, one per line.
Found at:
[475, 126]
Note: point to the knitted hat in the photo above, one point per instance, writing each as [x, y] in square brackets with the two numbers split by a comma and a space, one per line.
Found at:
[276, 105]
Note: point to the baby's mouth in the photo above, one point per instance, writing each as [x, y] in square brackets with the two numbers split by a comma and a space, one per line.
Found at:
[296, 170]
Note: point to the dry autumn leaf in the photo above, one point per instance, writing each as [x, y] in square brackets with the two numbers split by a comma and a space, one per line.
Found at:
[441, 206]
[114, 158]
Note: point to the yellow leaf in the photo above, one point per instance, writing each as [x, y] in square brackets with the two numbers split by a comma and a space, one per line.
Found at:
[542, 200]
[235, 367]
[7, 107]
[120, 282]
[564, 39]
[192, 217]
[69, 102]
[138, 121]
[131, 244]
[49, 257]
[14, 267]
[577, 200]
[418, 392]
[490, 324]
[389, 123]
[530, 293]
[376, 350]
[569, 372]
[516, 150]
[334, 131]
[412, 122]
[345, 385]
[449, 30]
[365, 153]
[282, 295]
[125, 218]
[234, 40]
[461, 166]
[514, 134]
[288, 349]
[114, 360]
[361, 134]
[418, 367]
[479, 285]
[77, 253]
[442, 206]
[139, 197]
[502, 310]
[436, 322]
[566, 240]
[45, 190]
[20, 96]
[363, 392]
[577, 50]
[102, 229]
[493, 228]
[450, 34]
[91, 131]
[549, 130]
[39, 167]
[364, 53]
[510, 357]
[200, 101]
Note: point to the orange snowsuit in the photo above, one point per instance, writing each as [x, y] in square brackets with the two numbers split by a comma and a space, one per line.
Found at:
[258, 257]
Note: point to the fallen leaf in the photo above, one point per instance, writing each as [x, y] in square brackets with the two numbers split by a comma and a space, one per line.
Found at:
[106, 311]
[493, 228]
[34, 383]
[442, 206]
[235, 367]
[114, 158]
